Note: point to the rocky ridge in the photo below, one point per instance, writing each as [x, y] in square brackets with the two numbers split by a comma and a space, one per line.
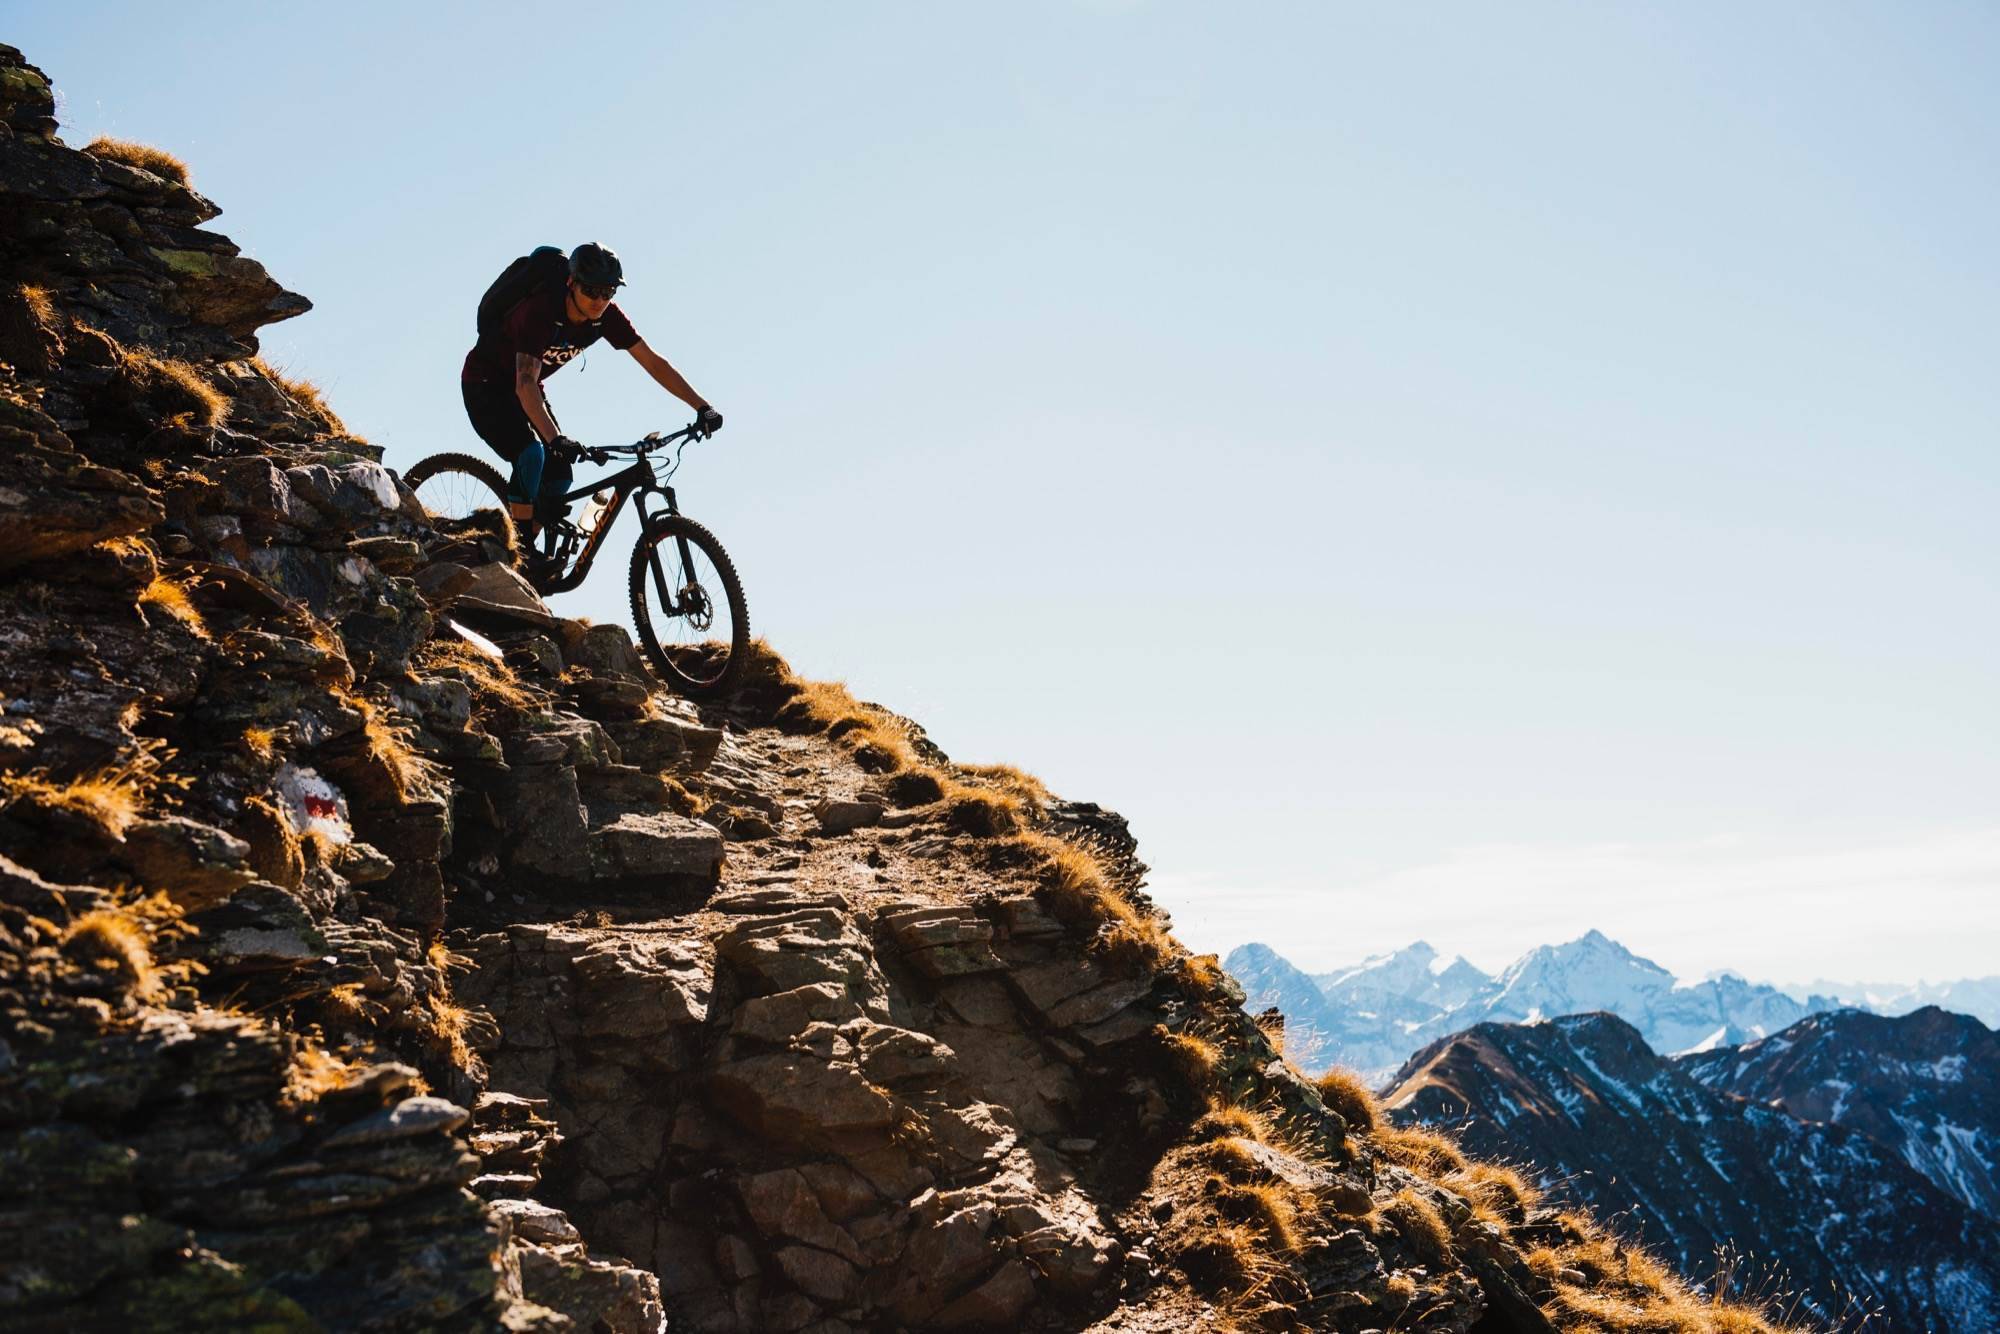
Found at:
[381, 950]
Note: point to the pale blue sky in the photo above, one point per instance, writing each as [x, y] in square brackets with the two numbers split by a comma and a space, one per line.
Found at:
[1465, 471]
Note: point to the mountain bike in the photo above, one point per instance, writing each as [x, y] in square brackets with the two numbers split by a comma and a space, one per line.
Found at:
[687, 603]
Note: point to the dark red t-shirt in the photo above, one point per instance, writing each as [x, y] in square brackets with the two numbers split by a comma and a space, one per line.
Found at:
[537, 327]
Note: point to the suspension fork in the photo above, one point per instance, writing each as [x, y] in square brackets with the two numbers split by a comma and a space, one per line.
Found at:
[669, 598]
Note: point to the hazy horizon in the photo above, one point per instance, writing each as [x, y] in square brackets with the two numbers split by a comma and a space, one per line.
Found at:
[1465, 473]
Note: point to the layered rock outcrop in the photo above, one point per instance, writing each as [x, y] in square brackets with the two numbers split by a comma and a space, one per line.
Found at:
[382, 950]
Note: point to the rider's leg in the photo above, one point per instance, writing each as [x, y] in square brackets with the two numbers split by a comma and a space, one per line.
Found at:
[497, 418]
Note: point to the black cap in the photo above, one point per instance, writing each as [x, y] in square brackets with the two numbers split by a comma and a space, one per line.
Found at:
[596, 265]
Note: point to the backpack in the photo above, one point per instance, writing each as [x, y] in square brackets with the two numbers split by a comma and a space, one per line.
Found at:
[520, 279]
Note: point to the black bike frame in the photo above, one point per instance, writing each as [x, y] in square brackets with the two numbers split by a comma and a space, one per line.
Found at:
[640, 481]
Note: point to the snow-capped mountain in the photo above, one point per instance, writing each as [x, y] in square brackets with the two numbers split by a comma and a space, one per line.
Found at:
[1925, 1084]
[1585, 1106]
[1371, 1016]
[1976, 996]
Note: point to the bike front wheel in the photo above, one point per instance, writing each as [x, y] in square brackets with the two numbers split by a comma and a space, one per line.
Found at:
[688, 608]
[455, 486]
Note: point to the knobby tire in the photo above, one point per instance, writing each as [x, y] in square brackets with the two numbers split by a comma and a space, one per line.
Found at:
[711, 683]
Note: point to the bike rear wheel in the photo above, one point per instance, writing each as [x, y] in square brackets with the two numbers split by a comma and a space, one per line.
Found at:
[454, 486]
[688, 608]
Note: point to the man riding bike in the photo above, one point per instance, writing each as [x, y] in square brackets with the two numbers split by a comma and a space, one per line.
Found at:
[535, 336]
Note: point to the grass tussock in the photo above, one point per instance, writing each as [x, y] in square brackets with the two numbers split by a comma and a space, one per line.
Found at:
[1234, 1156]
[115, 943]
[41, 307]
[683, 799]
[30, 329]
[879, 742]
[112, 798]
[1270, 1207]
[1429, 1154]
[143, 156]
[491, 682]
[1231, 1255]
[174, 388]
[315, 1072]
[1076, 889]
[1499, 1195]
[982, 812]
[1417, 1221]
[305, 395]
[1626, 1290]
[1348, 1094]
[261, 741]
[345, 1005]
[389, 744]
[171, 597]
[1195, 1059]
[1024, 787]
[1228, 1121]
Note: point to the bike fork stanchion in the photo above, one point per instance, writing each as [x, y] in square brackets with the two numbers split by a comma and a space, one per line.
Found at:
[669, 603]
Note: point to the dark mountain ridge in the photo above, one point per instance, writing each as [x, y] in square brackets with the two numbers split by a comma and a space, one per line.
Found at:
[1925, 1084]
[1695, 1173]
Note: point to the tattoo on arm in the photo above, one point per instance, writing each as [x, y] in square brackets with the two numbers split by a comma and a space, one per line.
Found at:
[528, 388]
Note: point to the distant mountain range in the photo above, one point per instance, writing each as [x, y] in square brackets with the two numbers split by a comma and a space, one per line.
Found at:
[1853, 1153]
[1371, 1016]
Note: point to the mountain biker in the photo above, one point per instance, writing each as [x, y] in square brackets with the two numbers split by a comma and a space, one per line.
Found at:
[532, 340]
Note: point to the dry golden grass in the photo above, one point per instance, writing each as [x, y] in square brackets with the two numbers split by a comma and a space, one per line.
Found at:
[1271, 1207]
[113, 941]
[111, 797]
[1416, 1220]
[1202, 972]
[1626, 1290]
[1233, 1155]
[176, 388]
[304, 394]
[30, 337]
[684, 800]
[315, 1072]
[449, 1021]
[275, 851]
[1195, 1059]
[982, 812]
[1426, 1152]
[1023, 786]
[1076, 889]
[1226, 1120]
[1499, 1195]
[262, 741]
[878, 742]
[491, 682]
[171, 597]
[143, 156]
[344, 1004]
[1348, 1094]
[1231, 1255]
[388, 740]
[40, 306]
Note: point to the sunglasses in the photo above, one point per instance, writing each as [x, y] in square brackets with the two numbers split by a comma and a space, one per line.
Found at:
[595, 292]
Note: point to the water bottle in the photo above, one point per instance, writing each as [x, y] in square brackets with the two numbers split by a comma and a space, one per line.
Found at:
[593, 510]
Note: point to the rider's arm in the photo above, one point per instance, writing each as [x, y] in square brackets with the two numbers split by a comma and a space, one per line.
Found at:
[669, 378]
[528, 388]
